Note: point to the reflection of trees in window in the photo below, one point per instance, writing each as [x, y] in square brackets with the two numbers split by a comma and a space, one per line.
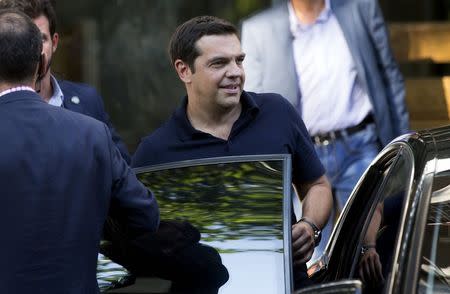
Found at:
[225, 201]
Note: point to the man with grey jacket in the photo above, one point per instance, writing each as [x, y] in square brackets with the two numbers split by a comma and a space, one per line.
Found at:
[332, 60]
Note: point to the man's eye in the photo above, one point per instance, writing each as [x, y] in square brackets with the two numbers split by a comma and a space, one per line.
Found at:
[218, 64]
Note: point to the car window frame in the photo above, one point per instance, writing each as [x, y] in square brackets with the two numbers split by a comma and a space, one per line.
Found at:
[414, 217]
[322, 271]
[403, 152]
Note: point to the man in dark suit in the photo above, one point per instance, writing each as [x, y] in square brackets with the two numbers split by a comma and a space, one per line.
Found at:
[60, 176]
[77, 97]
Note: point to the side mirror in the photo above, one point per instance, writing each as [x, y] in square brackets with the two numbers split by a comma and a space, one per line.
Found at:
[341, 287]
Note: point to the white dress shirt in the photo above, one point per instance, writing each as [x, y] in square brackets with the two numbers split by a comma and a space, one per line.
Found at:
[331, 96]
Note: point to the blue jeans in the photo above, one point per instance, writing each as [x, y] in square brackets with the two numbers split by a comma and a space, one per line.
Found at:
[345, 160]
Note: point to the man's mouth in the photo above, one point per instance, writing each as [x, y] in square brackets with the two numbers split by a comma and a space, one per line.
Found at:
[231, 87]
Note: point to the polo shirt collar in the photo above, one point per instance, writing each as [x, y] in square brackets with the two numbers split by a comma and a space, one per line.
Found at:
[187, 132]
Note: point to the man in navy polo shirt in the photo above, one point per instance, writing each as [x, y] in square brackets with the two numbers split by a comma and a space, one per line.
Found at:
[217, 118]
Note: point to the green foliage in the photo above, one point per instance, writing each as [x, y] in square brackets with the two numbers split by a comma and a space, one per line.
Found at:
[225, 202]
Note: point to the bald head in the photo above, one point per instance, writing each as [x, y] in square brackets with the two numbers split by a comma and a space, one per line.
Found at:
[20, 47]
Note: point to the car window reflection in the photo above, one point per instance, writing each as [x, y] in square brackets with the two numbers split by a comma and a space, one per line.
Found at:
[378, 245]
[238, 210]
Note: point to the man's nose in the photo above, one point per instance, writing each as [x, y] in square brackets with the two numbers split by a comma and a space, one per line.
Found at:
[235, 70]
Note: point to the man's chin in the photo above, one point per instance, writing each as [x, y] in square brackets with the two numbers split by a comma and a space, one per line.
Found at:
[230, 102]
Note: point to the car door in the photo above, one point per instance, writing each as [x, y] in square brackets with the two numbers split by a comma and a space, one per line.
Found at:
[379, 195]
[241, 206]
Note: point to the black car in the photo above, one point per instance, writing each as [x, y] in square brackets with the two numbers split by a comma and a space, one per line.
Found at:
[402, 203]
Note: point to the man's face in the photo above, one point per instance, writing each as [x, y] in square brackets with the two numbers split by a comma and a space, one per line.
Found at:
[219, 77]
[49, 42]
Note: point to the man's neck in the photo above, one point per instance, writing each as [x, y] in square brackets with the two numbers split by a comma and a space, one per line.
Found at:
[307, 11]
[218, 122]
[46, 91]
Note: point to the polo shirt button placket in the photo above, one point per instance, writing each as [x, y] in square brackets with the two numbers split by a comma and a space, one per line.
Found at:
[229, 143]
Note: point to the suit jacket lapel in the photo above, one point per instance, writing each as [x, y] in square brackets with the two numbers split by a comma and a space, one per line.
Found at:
[283, 36]
[349, 22]
[71, 99]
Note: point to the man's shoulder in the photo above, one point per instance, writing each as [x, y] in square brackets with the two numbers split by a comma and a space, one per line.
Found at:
[274, 100]
[79, 119]
[160, 137]
[154, 148]
[81, 89]
[68, 120]
[273, 106]
[349, 3]
[262, 17]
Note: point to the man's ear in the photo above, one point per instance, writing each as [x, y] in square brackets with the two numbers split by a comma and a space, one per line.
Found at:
[55, 40]
[183, 70]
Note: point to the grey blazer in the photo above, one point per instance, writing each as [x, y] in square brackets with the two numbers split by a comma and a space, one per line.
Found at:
[269, 61]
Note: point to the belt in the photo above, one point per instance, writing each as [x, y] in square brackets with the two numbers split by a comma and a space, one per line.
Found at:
[325, 138]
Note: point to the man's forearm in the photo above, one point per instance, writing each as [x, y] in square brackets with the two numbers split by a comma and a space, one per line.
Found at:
[318, 202]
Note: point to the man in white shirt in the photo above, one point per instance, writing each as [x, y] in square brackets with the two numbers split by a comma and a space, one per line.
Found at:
[331, 59]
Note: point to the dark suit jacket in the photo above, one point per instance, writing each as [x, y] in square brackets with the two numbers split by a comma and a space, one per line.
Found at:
[60, 175]
[90, 103]
[269, 62]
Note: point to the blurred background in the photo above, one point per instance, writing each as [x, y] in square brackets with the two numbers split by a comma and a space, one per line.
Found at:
[120, 47]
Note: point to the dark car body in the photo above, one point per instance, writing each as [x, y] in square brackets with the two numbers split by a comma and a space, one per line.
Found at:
[409, 182]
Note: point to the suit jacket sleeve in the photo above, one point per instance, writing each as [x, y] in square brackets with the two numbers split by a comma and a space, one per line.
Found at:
[393, 79]
[132, 204]
[250, 36]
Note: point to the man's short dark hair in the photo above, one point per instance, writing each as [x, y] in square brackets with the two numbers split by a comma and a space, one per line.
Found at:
[182, 44]
[20, 47]
[34, 9]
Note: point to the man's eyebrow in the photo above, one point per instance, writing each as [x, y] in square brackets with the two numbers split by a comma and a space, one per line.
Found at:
[225, 58]
[218, 58]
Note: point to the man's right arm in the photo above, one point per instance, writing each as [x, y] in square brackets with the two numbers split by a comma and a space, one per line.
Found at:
[316, 206]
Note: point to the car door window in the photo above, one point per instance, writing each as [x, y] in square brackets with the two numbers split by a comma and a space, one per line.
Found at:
[378, 239]
[241, 208]
[381, 191]
[344, 245]
[434, 273]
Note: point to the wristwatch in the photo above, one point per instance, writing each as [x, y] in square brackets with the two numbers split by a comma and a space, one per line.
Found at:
[317, 232]
[365, 248]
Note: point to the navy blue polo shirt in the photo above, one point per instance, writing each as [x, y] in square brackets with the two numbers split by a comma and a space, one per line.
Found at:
[268, 124]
